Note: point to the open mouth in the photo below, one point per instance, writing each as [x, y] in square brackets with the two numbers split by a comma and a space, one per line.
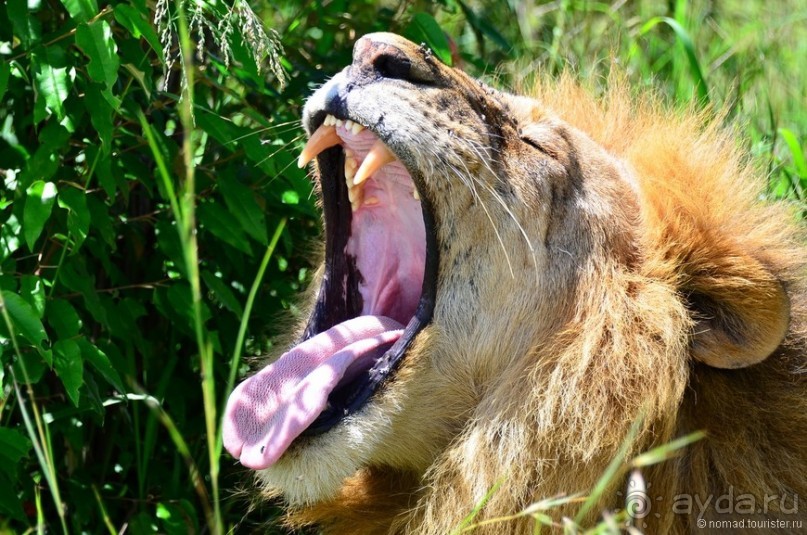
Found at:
[377, 293]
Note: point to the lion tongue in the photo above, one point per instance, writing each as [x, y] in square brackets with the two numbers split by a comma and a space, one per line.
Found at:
[269, 410]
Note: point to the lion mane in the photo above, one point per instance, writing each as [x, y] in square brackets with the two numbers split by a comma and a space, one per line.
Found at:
[663, 295]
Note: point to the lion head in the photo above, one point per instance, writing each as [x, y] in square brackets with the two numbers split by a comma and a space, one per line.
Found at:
[515, 290]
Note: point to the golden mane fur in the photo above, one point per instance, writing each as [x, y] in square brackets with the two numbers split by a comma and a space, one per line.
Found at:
[699, 267]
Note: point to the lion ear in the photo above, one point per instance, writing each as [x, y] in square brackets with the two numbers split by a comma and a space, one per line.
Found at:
[741, 312]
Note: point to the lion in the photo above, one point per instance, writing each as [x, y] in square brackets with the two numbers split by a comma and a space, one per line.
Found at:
[519, 291]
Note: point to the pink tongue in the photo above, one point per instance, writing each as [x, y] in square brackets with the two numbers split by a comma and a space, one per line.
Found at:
[269, 410]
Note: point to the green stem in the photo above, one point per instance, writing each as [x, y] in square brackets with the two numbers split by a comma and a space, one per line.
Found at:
[37, 432]
[242, 329]
[190, 248]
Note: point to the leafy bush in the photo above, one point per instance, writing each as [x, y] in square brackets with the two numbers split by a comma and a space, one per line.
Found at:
[154, 227]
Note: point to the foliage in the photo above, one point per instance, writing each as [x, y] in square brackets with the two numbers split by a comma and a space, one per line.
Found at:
[140, 211]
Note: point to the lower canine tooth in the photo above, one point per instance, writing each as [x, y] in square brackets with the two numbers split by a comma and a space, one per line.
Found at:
[356, 196]
[415, 194]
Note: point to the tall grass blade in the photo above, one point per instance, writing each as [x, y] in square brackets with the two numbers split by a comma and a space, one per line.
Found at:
[689, 48]
[799, 161]
[242, 328]
[466, 522]
[666, 451]
[36, 429]
[611, 472]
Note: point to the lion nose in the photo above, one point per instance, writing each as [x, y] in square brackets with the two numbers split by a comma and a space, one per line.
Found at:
[386, 55]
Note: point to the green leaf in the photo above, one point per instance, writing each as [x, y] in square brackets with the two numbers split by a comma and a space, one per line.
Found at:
[689, 48]
[223, 225]
[13, 447]
[10, 504]
[424, 29]
[33, 290]
[100, 361]
[81, 10]
[140, 76]
[793, 144]
[9, 237]
[241, 202]
[69, 367]
[36, 364]
[63, 318]
[485, 27]
[78, 216]
[290, 197]
[179, 298]
[5, 73]
[177, 518]
[96, 41]
[26, 27]
[54, 87]
[133, 20]
[101, 219]
[39, 200]
[103, 172]
[75, 276]
[223, 293]
[24, 318]
[100, 115]
[46, 161]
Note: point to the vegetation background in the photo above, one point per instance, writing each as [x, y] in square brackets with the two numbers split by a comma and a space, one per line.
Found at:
[155, 230]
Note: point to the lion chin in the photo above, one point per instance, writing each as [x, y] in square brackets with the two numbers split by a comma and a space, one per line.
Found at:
[515, 292]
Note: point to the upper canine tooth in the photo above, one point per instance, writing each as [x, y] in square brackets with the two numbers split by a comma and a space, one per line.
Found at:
[324, 138]
[329, 120]
[378, 157]
[415, 194]
[348, 125]
[356, 128]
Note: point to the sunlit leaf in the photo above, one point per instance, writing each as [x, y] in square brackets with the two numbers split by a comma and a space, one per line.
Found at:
[799, 161]
[100, 361]
[39, 200]
[78, 216]
[26, 27]
[424, 29]
[100, 115]
[32, 289]
[134, 21]
[54, 87]
[81, 10]
[9, 236]
[24, 318]
[96, 41]
[291, 197]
